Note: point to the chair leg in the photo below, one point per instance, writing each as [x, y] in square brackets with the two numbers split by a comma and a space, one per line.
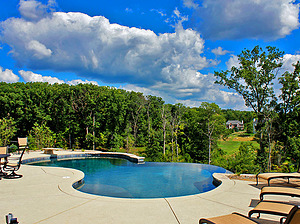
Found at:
[13, 175]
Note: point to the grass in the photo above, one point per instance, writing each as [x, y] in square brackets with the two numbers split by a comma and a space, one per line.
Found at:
[230, 145]
[233, 142]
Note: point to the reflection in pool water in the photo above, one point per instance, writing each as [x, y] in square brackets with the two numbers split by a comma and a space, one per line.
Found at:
[121, 178]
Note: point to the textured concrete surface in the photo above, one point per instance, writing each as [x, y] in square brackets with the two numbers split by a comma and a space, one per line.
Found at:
[45, 195]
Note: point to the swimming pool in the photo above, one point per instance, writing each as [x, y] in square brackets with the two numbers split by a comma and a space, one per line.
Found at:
[124, 179]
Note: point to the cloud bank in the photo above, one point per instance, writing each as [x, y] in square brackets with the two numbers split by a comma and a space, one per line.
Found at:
[167, 64]
[237, 19]
[92, 45]
[29, 76]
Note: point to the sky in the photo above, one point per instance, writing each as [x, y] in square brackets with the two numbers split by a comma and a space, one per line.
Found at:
[165, 48]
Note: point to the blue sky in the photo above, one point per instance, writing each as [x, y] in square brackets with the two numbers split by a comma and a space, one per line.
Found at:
[167, 48]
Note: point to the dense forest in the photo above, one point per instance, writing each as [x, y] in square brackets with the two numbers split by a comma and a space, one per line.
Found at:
[103, 118]
[87, 116]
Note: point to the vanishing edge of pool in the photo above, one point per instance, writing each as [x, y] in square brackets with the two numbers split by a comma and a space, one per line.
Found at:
[130, 157]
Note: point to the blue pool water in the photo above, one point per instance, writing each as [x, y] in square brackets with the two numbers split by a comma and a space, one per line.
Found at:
[121, 178]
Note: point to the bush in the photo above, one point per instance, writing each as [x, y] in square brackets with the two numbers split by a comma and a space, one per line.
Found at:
[249, 127]
[41, 137]
[244, 159]
[13, 148]
[7, 130]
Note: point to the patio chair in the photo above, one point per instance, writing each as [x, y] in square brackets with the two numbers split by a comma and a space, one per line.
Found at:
[286, 191]
[293, 217]
[23, 143]
[3, 150]
[271, 176]
[13, 167]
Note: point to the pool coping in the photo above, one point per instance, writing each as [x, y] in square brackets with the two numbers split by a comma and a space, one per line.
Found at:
[130, 157]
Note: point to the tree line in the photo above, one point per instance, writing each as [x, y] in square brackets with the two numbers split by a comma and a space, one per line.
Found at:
[87, 116]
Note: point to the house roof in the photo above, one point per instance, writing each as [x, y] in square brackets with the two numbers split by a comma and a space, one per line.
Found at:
[234, 122]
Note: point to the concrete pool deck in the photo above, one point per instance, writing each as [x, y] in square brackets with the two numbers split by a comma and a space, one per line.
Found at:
[45, 195]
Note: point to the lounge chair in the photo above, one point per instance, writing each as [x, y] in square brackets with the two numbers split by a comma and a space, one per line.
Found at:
[271, 176]
[293, 217]
[287, 191]
[272, 208]
[13, 167]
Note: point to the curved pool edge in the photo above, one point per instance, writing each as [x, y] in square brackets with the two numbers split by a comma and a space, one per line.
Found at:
[68, 186]
[226, 184]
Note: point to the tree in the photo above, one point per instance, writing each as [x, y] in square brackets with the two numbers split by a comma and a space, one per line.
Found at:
[175, 122]
[215, 123]
[288, 125]
[136, 107]
[165, 114]
[41, 136]
[253, 81]
[244, 159]
[7, 130]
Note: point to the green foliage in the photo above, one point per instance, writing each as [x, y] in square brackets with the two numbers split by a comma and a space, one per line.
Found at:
[294, 145]
[90, 140]
[253, 80]
[249, 127]
[245, 116]
[41, 137]
[12, 148]
[243, 161]
[7, 130]
[287, 125]
[153, 151]
[116, 142]
[221, 158]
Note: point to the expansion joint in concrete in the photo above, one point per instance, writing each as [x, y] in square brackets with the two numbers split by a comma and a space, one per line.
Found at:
[172, 210]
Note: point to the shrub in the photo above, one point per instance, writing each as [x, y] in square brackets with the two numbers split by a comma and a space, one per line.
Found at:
[244, 159]
[7, 130]
[41, 137]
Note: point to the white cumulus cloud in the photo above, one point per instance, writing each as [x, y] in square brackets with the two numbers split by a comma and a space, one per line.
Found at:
[34, 10]
[39, 50]
[235, 19]
[29, 76]
[288, 61]
[79, 81]
[7, 75]
[92, 45]
[233, 61]
[219, 51]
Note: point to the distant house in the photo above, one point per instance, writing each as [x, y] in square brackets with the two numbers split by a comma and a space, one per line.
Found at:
[235, 124]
